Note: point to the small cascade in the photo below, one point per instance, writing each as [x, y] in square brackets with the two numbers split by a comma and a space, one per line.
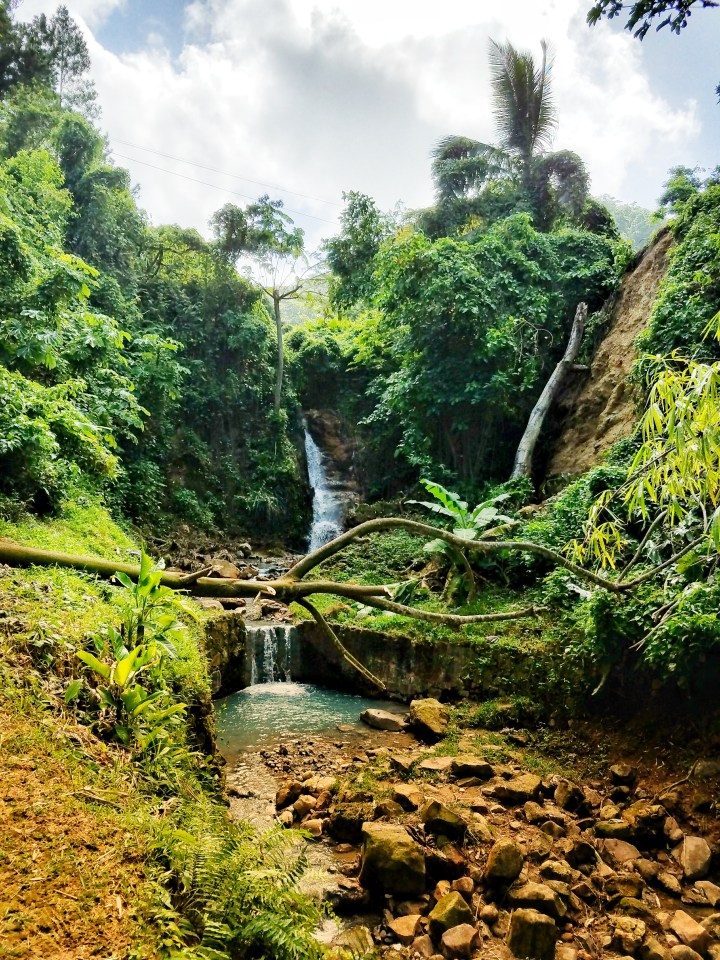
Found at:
[328, 507]
[270, 648]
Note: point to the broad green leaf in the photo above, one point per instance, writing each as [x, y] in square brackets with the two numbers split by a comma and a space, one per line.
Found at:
[72, 691]
[102, 669]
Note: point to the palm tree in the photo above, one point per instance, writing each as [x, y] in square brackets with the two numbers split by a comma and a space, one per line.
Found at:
[520, 169]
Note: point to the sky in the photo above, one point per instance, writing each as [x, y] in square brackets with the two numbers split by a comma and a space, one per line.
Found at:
[214, 101]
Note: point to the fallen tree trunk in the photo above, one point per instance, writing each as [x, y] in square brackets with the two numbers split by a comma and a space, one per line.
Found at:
[526, 447]
[294, 588]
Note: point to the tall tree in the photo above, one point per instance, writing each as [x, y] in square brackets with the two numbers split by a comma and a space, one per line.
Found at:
[351, 254]
[545, 183]
[264, 233]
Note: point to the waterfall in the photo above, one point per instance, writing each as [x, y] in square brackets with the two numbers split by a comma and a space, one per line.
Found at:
[269, 648]
[328, 508]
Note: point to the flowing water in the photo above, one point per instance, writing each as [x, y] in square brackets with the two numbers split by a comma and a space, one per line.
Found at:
[273, 704]
[328, 512]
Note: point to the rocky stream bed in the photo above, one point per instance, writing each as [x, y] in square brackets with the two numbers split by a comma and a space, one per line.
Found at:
[457, 849]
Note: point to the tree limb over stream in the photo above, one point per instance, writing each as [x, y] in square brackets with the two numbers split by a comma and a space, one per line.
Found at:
[292, 587]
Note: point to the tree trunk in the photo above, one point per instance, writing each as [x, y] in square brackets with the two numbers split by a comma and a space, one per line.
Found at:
[526, 448]
[280, 355]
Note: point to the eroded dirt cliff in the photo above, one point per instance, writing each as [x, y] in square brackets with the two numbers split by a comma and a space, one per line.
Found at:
[598, 407]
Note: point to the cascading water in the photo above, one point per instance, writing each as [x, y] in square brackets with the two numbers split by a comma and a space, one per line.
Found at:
[270, 648]
[327, 519]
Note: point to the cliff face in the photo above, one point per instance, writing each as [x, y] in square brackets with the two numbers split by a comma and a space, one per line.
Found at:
[597, 407]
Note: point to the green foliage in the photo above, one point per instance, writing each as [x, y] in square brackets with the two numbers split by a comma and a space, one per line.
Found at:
[634, 222]
[689, 294]
[238, 890]
[351, 254]
[141, 716]
[468, 332]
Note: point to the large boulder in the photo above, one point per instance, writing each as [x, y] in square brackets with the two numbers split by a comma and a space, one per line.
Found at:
[450, 911]
[519, 789]
[532, 935]
[391, 860]
[429, 718]
[407, 795]
[688, 930]
[383, 720]
[504, 863]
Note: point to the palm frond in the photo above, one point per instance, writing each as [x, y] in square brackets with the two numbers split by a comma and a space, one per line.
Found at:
[522, 96]
[462, 166]
[566, 179]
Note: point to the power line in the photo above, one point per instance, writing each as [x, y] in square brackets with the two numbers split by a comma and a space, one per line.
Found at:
[214, 186]
[235, 176]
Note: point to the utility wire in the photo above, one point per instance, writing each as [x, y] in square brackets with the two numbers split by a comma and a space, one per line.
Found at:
[214, 186]
[235, 176]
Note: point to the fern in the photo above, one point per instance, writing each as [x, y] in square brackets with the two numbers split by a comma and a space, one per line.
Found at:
[240, 890]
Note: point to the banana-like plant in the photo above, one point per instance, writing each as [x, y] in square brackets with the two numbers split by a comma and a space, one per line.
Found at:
[140, 714]
[483, 519]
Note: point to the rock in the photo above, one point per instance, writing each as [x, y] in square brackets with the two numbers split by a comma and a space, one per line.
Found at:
[565, 951]
[646, 821]
[423, 947]
[408, 796]
[435, 764]
[440, 820]
[481, 828]
[669, 882]
[388, 808]
[402, 762]
[538, 896]
[358, 940]
[635, 908]
[304, 804]
[559, 870]
[314, 828]
[208, 603]
[710, 891]
[465, 765]
[286, 818]
[429, 718]
[706, 769]
[647, 869]
[621, 851]
[694, 856]
[628, 935]
[568, 795]
[652, 949]
[459, 941]
[391, 861]
[614, 829]
[672, 831]
[691, 933]
[623, 774]
[382, 720]
[346, 821]
[504, 862]
[450, 911]
[447, 863]
[288, 793]
[464, 885]
[324, 785]
[519, 789]
[712, 925]
[624, 885]
[532, 935]
[682, 952]
[406, 928]
[223, 568]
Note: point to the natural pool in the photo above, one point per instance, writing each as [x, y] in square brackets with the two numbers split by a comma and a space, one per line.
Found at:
[266, 710]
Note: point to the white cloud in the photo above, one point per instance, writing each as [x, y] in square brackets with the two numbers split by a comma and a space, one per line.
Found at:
[321, 96]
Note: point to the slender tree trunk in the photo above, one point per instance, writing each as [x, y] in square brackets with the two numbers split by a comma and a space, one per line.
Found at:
[526, 449]
[280, 352]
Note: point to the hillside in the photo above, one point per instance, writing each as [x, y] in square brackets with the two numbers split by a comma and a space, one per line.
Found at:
[597, 408]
